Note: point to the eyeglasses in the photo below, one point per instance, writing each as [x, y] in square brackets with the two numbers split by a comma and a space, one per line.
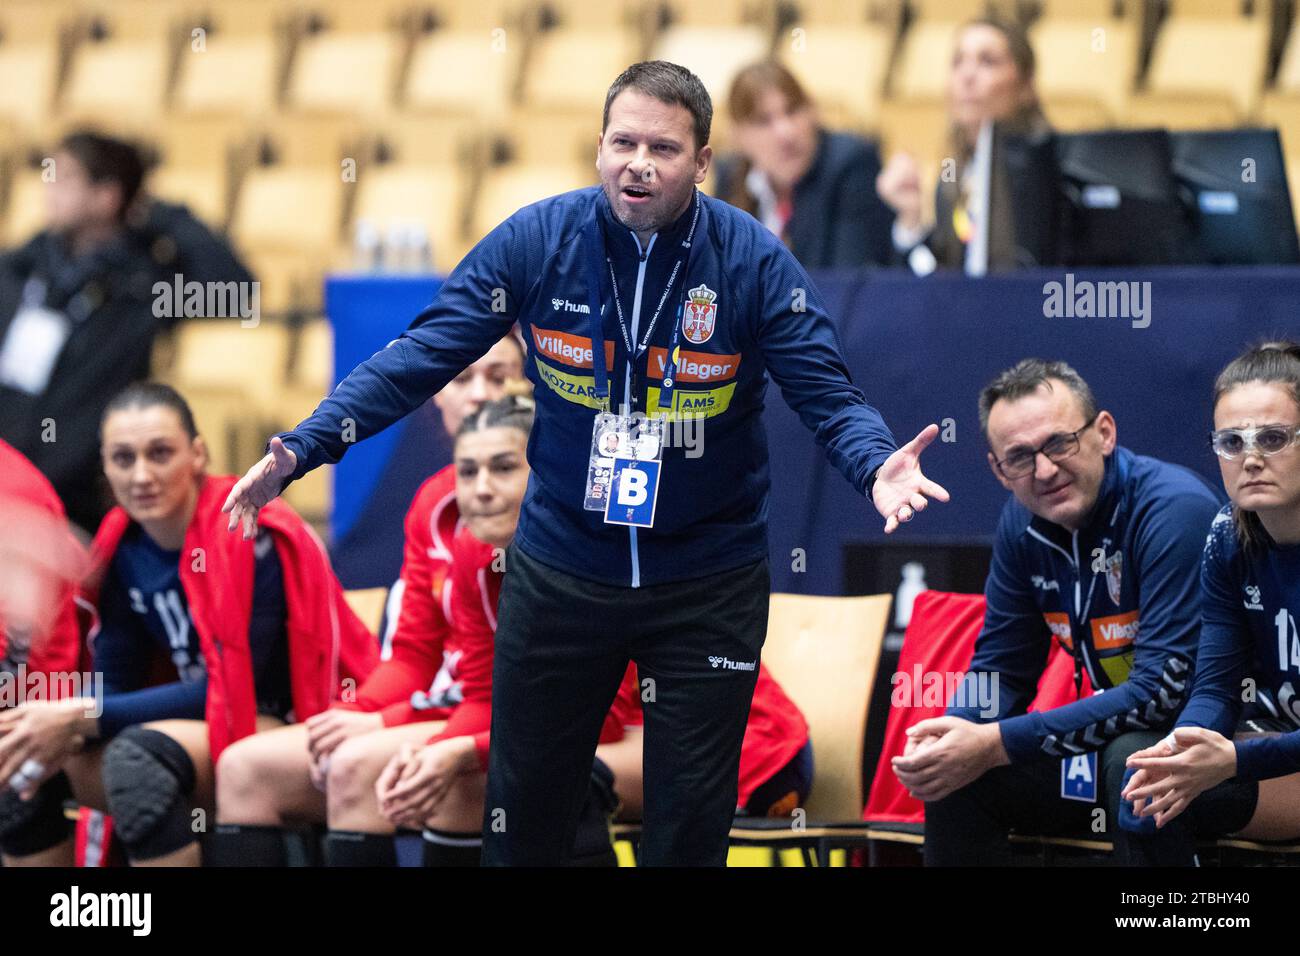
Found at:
[1057, 448]
[1266, 440]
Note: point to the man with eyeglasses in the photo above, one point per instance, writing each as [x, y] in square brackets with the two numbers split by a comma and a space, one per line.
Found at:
[1098, 549]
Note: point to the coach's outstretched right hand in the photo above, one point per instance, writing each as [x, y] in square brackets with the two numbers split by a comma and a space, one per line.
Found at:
[262, 483]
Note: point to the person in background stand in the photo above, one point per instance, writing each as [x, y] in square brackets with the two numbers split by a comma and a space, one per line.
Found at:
[813, 188]
[991, 78]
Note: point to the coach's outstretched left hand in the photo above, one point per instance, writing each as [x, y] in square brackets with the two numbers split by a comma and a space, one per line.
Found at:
[900, 489]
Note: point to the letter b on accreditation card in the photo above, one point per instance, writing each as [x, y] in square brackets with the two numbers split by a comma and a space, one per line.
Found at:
[634, 491]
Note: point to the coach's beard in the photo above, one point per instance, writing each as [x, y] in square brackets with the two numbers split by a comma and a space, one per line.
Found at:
[649, 218]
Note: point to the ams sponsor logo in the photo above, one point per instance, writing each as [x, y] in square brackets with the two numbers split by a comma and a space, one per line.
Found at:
[697, 404]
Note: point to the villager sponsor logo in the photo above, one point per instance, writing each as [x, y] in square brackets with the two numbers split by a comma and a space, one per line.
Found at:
[1058, 622]
[1119, 630]
[696, 366]
[573, 350]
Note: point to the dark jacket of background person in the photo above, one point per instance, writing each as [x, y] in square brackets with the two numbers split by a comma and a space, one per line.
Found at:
[108, 295]
[838, 221]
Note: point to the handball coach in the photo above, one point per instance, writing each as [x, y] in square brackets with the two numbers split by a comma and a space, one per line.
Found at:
[691, 303]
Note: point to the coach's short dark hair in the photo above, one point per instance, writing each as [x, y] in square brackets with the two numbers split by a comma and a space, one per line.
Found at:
[1028, 376]
[668, 83]
[108, 160]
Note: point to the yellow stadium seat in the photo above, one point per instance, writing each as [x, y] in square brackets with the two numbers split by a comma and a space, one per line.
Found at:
[824, 652]
[842, 68]
[1071, 115]
[367, 604]
[133, 19]
[238, 17]
[231, 376]
[468, 71]
[433, 196]
[25, 209]
[346, 72]
[411, 138]
[1282, 110]
[1219, 59]
[1086, 61]
[717, 13]
[571, 68]
[122, 79]
[34, 22]
[1175, 111]
[232, 73]
[509, 188]
[1094, 10]
[287, 222]
[202, 189]
[201, 141]
[840, 13]
[28, 71]
[1287, 81]
[715, 55]
[923, 61]
[534, 136]
[921, 130]
[289, 207]
[313, 364]
[215, 355]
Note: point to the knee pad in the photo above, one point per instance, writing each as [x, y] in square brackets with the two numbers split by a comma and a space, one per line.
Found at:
[148, 777]
[30, 826]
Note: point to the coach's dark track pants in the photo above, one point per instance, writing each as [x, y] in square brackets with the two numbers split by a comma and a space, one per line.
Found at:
[562, 647]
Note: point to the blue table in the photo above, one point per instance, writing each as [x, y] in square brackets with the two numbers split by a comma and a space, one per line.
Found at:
[921, 350]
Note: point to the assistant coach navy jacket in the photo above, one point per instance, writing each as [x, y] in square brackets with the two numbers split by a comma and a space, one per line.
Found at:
[1120, 594]
[536, 268]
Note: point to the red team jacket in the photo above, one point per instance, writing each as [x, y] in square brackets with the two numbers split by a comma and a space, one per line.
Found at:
[33, 515]
[328, 644]
[422, 655]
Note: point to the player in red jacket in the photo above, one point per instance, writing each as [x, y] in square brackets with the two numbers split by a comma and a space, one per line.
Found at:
[40, 564]
[307, 772]
[200, 638]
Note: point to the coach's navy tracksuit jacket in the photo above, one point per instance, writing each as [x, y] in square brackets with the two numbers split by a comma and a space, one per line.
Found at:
[1249, 603]
[1121, 594]
[536, 268]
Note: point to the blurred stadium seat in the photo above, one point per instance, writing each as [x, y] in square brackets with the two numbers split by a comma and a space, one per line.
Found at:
[1203, 72]
[842, 67]
[1085, 68]
[824, 651]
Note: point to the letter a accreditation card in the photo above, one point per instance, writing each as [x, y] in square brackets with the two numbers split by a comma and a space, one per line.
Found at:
[623, 470]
